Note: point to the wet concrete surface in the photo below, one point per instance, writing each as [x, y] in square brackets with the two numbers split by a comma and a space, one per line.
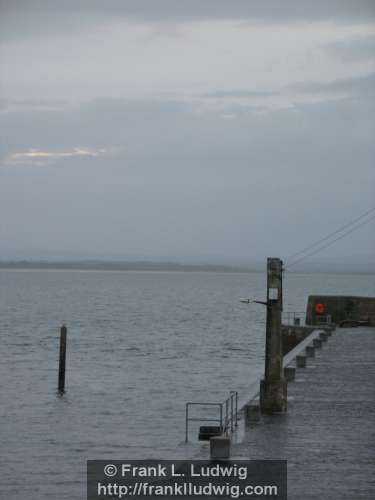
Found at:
[328, 433]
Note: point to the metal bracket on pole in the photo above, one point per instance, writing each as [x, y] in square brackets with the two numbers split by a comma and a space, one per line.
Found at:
[248, 301]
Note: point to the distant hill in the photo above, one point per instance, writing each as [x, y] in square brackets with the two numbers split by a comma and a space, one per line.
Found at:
[356, 267]
[121, 266]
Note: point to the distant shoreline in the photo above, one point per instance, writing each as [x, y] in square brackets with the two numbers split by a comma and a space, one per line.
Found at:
[121, 266]
[150, 266]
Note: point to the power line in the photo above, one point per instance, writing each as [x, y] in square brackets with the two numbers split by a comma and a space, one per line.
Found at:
[331, 242]
[325, 238]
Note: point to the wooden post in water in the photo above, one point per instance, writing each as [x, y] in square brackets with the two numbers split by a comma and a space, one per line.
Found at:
[273, 388]
[62, 360]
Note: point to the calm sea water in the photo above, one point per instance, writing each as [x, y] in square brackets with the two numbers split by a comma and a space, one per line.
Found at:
[140, 345]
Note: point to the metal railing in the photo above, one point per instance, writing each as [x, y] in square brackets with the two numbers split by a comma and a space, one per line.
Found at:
[231, 412]
[323, 320]
[227, 421]
[293, 317]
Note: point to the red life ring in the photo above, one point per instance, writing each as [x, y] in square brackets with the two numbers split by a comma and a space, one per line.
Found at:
[319, 308]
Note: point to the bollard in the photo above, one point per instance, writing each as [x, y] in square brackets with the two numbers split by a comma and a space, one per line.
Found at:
[323, 336]
[252, 413]
[301, 361]
[289, 373]
[220, 448]
[317, 343]
[62, 360]
[310, 351]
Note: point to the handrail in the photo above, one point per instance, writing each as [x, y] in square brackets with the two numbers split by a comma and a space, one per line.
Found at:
[230, 419]
[231, 412]
[324, 320]
[192, 419]
[294, 315]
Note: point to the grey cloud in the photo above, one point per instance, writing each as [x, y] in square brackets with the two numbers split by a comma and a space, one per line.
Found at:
[29, 18]
[170, 141]
[185, 180]
[358, 49]
[144, 126]
[209, 9]
[11, 105]
[37, 157]
[187, 183]
[360, 86]
[241, 93]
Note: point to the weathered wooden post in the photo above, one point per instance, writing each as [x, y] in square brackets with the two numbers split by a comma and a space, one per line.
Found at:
[62, 360]
[273, 388]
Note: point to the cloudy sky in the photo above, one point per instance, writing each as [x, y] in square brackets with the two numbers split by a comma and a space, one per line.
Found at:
[197, 130]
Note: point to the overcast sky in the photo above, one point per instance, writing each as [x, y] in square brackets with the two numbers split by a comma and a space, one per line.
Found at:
[186, 130]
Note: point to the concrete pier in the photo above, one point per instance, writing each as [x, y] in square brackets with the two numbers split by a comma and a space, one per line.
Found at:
[289, 373]
[339, 309]
[220, 448]
[328, 436]
[252, 413]
[310, 351]
[317, 343]
[293, 335]
[301, 361]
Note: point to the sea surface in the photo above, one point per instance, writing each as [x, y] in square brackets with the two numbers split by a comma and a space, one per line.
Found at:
[140, 345]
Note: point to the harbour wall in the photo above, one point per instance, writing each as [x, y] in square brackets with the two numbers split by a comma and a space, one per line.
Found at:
[341, 310]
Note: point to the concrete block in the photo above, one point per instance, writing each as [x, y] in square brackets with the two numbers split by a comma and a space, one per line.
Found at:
[208, 431]
[301, 361]
[252, 413]
[289, 373]
[310, 351]
[323, 336]
[273, 396]
[220, 448]
[317, 343]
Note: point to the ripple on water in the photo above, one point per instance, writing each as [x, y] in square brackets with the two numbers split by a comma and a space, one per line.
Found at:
[139, 346]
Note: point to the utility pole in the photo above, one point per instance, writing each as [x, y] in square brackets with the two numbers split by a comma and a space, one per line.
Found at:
[273, 388]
